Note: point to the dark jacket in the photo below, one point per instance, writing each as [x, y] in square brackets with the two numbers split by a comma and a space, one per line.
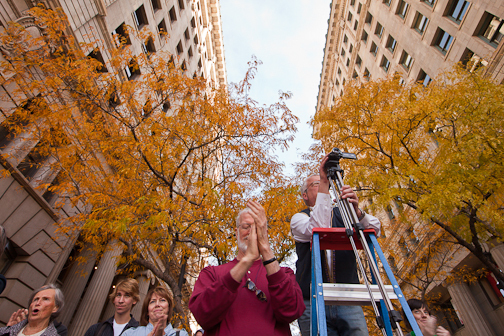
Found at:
[16, 328]
[106, 328]
[344, 262]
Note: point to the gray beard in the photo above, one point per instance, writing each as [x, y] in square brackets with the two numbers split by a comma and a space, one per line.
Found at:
[242, 245]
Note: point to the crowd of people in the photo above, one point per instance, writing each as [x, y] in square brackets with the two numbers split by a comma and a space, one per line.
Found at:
[250, 295]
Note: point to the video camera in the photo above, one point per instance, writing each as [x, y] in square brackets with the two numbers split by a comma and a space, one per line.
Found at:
[335, 156]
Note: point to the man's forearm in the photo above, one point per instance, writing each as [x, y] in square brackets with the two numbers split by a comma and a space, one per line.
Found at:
[240, 269]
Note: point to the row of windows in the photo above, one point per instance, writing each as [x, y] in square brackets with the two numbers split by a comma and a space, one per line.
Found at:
[491, 29]
[121, 36]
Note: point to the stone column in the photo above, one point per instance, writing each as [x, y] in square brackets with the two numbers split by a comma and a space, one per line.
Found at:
[498, 255]
[58, 266]
[109, 311]
[75, 283]
[465, 304]
[143, 283]
[95, 297]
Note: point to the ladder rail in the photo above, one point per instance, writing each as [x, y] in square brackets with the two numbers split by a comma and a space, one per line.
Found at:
[318, 317]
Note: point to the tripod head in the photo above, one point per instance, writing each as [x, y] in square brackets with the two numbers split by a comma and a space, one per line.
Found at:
[332, 164]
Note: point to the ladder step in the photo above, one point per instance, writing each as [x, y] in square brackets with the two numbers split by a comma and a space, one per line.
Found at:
[353, 294]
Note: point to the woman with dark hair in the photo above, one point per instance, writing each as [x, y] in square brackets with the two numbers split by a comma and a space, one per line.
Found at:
[46, 304]
[157, 310]
[426, 322]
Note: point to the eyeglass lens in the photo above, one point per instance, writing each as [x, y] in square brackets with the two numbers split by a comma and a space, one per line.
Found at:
[252, 287]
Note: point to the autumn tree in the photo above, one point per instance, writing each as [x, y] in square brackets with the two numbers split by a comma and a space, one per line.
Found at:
[437, 151]
[160, 164]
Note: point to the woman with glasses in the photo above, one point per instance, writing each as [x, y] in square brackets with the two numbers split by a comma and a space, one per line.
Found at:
[157, 310]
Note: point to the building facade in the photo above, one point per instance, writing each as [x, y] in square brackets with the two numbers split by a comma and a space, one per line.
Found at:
[417, 40]
[36, 254]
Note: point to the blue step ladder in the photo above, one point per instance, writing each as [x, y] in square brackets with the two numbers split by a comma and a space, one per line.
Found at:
[350, 294]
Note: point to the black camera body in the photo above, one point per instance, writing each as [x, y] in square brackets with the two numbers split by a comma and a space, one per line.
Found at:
[335, 156]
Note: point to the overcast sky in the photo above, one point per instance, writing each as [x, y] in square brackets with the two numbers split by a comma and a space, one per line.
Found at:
[288, 36]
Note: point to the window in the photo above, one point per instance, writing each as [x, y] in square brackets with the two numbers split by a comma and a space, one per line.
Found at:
[193, 22]
[351, 48]
[358, 61]
[186, 34]
[348, 61]
[156, 5]
[355, 74]
[406, 60]
[364, 36]
[16, 121]
[148, 46]
[391, 44]
[402, 8]
[420, 23]
[429, 2]
[405, 248]
[96, 54]
[162, 28]
[189, 52]
[424, 78]
[32, 162]
[392, 263]
[7, 257]
[443, 41]
[471, 61]
[140, 17]
[374, 49]
[166, 106]
[345, 39]
[122, 36]
[356, 23]
[359, 8]
[196, 41]
[366, 74]
[339, 71]
[350, 16]
[342, 52]
[387, 2]
[457, 10]
[132, 70]
[173, 15]
[378, 30]
[337, 82]
[369, 18]
[491, 29]
[180, 49]
[181, 4]
[352, 3]
[385, 63]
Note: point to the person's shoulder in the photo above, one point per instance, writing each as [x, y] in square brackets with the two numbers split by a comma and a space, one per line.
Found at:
[60, 328]
[132, 323]
[92, 329]
[135, 331]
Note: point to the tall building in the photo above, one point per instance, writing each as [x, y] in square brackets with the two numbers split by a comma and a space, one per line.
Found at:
[417, 40]
[36, 254]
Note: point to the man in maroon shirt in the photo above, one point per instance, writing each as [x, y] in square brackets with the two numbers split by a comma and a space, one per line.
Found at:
[252, 294]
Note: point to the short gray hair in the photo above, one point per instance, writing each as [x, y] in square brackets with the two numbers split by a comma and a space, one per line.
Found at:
[304, 186]
[241, 213]
[58, 298]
